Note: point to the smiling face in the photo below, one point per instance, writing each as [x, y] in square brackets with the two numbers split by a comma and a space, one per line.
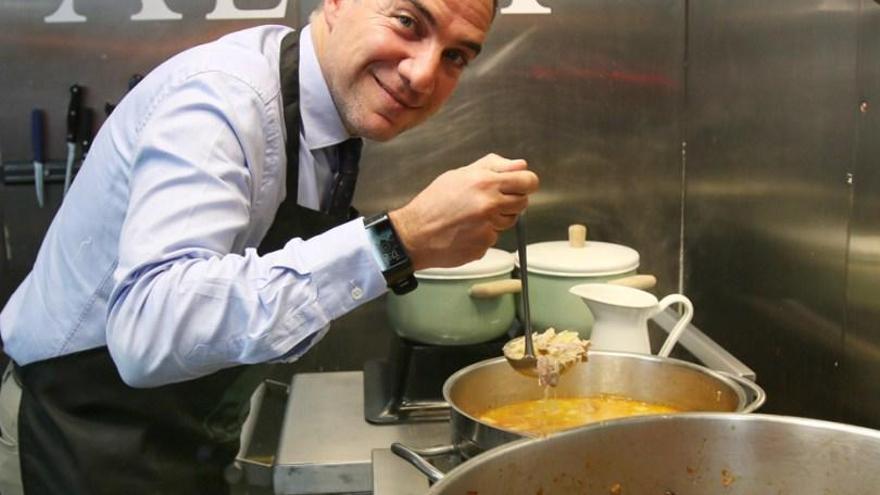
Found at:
[390, 64]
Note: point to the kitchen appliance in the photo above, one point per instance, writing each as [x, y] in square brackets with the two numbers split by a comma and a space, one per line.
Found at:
[678, 454]
[621, 317]
[408, 385]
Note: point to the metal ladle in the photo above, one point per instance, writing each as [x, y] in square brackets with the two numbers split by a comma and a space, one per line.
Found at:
[528, 363]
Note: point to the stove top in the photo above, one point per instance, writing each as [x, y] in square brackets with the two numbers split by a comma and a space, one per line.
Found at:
[408, 386]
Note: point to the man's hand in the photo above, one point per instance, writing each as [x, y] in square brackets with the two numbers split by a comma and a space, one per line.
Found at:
[458, 216]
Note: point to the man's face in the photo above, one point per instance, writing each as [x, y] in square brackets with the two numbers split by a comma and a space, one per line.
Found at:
[390, 64]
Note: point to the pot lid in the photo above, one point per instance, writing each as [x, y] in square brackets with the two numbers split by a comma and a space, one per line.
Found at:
[494, 262]
[578, 257]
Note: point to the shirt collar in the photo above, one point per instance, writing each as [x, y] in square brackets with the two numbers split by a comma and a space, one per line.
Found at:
[319, 115]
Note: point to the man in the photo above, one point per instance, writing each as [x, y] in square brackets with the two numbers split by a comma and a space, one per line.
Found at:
[149, 293]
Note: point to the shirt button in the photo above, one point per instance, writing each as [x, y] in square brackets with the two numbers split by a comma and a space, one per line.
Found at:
[357, 293]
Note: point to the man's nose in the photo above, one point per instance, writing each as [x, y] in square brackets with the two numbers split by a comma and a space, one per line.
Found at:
[420, 68]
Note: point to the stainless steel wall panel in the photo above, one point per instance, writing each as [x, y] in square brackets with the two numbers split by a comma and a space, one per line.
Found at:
[770, 134]
[859, 397]
[591, 96]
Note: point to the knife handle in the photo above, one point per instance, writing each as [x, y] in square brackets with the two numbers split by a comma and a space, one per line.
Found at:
[38, 126]
[134, 80]
[86, 124]
[73, 111]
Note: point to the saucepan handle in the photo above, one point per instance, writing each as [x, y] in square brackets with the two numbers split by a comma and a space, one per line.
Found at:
[416, 457]
[488, 290]
[758, 396]
[642, 281]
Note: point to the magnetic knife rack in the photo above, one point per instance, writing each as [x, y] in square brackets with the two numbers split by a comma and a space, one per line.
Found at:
[22, 172]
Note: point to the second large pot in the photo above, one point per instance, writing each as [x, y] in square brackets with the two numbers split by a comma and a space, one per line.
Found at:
[493, 383]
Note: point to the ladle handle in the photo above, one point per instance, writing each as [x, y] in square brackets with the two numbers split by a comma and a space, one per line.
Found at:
[524, 277]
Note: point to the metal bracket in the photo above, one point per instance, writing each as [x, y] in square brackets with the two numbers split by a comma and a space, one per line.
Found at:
[703, 347]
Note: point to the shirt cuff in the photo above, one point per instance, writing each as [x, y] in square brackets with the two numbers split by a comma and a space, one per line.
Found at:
[343, 270]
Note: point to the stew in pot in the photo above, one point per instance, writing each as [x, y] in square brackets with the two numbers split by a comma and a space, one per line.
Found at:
[545, 416]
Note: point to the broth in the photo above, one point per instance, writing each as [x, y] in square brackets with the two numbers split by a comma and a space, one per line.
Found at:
[545, 416]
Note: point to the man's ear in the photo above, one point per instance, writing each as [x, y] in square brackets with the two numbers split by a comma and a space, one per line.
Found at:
[331, 9]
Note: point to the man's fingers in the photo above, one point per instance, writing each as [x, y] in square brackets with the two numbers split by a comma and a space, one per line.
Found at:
[503, 165]
[503, 221]
[510, 204]
[497, 163]
[518, 182]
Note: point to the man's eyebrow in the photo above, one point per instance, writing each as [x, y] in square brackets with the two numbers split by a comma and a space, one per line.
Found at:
[473, 45]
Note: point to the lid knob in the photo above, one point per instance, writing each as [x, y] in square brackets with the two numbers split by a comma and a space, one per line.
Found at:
[577, 235]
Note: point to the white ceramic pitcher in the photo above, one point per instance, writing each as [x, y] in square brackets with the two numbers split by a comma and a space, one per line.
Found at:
[622, 313]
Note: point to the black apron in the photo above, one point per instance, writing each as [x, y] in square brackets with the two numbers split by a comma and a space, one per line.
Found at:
[82, 431]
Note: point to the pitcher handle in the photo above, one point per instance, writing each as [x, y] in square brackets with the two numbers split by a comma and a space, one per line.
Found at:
[682, 322]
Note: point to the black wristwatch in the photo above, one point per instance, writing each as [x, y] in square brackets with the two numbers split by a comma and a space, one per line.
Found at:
[390, 254]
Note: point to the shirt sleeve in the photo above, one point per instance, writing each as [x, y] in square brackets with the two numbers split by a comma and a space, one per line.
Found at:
[183, 304]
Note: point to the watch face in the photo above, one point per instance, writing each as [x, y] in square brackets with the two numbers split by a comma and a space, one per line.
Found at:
[391, 250]
[388, 247]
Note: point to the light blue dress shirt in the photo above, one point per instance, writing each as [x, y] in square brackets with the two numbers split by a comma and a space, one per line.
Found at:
[153, 253]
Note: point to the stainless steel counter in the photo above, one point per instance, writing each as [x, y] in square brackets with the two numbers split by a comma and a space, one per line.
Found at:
[327, 446]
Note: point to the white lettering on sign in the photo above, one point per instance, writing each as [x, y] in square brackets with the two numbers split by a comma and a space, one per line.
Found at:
[525, 7]
[226, 9]
[155, 10]
[65, 13]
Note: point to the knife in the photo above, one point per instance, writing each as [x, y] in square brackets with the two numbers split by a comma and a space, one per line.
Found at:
[86, 123]
[132, 82]
[37, 129]
[73, 112]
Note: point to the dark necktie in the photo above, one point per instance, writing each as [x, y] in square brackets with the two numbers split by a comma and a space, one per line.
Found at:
[342, 190]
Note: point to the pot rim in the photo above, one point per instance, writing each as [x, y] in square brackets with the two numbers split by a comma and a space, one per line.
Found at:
[430, 276]
[493, 263]
[737, 388]
[593, 259]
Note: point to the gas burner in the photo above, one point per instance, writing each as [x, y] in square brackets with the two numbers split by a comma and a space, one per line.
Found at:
[408, 386]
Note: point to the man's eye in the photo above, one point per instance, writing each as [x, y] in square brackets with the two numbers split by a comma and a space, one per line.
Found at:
[406, 21]
[456, 57]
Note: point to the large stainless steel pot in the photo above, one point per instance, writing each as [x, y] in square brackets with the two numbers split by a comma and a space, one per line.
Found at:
[492, 383]
[698, 453]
